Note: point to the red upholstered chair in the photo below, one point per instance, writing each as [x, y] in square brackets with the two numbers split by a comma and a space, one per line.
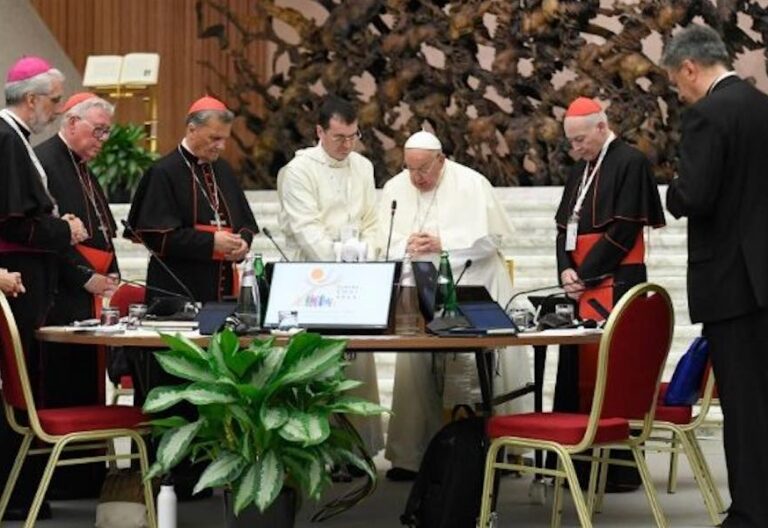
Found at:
[681, 423]
[631, 358]
[58, 430]
[125, 295]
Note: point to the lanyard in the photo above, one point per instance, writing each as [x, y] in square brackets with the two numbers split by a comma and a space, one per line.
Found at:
[204, 189]
[587, 181]
[5, 115]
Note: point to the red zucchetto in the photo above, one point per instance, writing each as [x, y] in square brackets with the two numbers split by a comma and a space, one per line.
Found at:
[583, 106]
[207, 103]
[76, 99]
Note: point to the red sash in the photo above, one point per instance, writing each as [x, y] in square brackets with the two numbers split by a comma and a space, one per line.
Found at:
[603, 293]
[100, 261]
[217, 255]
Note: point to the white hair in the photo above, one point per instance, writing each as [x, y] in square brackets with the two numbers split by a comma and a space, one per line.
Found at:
[592, 120]
[81, 108]
[39, 84]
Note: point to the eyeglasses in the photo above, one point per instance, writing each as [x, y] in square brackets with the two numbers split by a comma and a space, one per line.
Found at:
[340, 140]
[100, 132]
[55, 100]
[423, 170]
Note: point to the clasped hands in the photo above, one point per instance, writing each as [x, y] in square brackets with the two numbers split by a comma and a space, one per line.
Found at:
[232, 246]
[10, 282]
[104, 285]
[572, 284]
[77, 230]
[420, 243]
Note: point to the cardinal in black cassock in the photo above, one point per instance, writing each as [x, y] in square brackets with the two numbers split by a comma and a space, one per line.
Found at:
[190, 210]
[32, 235]
[74, 374]
[610, 195]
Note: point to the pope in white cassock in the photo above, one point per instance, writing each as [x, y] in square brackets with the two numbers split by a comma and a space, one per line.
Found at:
[442, 205]
[327, 194]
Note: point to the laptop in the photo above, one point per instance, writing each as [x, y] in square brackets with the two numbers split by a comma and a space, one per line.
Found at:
[425, 277]
[353, 297]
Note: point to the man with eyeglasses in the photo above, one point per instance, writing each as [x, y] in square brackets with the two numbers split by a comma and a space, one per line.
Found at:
[327, 192]
[32, 234]
[87, 271]
[443, 205]
[609, 196]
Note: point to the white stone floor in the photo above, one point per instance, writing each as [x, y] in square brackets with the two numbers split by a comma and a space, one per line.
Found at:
[683, 509]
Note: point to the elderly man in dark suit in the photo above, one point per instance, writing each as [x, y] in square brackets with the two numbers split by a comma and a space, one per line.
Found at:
[722, 187]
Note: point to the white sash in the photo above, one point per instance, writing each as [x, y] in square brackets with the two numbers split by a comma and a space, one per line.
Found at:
[6, 116]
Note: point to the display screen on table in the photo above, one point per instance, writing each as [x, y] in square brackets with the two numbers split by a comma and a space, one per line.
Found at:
[332, 295]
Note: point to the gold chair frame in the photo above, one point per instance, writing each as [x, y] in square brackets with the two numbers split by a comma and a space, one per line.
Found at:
[56, 444]
[683, 439]
[565, 453]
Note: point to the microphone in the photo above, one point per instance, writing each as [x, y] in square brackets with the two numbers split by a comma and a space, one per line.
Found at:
[590, 280]
[391, 225]
[453, 290]
[85, 268]
[269, 236]
[152, 252]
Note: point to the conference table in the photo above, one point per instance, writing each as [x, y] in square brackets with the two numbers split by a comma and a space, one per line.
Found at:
[412, 339]
[415, 341]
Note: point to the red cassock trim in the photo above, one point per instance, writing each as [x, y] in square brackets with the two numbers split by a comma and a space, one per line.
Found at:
[74, 419]
[563, 428]
[602, 293]
[204, 228]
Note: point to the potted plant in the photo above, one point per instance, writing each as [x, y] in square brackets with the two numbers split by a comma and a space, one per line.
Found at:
[122, 161]
[267, 416]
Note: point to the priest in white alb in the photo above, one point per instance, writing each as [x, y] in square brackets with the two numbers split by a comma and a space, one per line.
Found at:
[443, 205]
[328, 202]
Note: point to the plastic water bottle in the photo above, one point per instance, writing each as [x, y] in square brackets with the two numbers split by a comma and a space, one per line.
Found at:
[248, 302]
[166, 505]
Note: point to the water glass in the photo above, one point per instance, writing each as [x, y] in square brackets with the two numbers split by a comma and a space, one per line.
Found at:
[136, 313]
[110, 316]
[287, 319]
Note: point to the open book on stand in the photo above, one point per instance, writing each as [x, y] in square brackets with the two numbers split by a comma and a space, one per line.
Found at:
[133, 69]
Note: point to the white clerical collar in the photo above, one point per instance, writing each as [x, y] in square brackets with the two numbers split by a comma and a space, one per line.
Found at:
[720, 78]
[185, 146]
[332, 162]
[19, 120]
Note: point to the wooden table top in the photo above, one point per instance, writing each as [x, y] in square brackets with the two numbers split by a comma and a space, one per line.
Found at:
[150, 338]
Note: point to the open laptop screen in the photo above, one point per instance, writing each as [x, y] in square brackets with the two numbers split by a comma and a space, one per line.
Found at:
[332, 295]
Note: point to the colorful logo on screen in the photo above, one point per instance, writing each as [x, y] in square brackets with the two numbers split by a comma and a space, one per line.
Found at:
[318, 301]
[318, 276]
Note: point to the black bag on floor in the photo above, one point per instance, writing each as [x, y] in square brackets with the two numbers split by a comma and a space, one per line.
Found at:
[448, 488]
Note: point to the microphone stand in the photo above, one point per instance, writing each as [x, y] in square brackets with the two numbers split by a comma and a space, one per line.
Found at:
[165, 267]
[121, 280]
[391, 225]
[279, 249]
[581, 282]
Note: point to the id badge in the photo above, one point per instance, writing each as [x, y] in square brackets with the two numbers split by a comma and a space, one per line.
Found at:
[571, 232]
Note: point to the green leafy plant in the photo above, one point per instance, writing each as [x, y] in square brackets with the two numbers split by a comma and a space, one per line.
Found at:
[123, 158]
[267, 414]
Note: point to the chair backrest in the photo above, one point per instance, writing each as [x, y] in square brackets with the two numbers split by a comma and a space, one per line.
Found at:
[17, 392]
[125, 295]
[633, 351]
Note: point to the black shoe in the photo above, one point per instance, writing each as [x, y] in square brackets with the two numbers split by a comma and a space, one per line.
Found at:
[19, 513]
[398, 474]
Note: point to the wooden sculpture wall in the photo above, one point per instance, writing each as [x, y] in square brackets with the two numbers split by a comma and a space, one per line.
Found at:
[490, 77]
